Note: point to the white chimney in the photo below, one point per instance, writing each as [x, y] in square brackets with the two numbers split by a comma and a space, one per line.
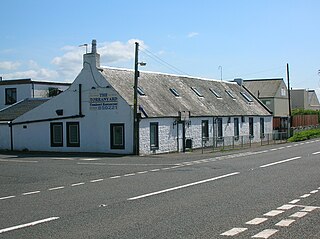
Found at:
[93, 58]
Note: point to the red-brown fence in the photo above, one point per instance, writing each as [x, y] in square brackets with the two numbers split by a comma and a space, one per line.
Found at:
[304, 120]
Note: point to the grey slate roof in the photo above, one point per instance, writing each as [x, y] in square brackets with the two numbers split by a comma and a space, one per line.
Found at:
[14, 111]
[159, 101]
[266, 87]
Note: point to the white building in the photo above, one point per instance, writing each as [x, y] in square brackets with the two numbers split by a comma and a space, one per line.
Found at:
[12, 91]
[95, 114]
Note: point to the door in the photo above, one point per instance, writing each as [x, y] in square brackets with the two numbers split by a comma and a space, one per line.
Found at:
[181, 136]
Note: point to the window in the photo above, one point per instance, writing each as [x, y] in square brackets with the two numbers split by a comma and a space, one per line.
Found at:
[261, 127]
[174, 91]
[73, 134]
[140, 91]
[215, 93]
[236, 127]
[117, 136]
[205, 129]
[56, 133]
[251, 127]
[219, 128]
[230, 94]
[246, 97]
[154, 135]
[195, 90]
[283, 91]
[11, 96]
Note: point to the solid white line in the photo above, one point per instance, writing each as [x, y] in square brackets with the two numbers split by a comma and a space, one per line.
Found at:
[265, 233]
[256, 221]
[96, 180]
[28, 224]
[56, 188]
[28, 193]
[183, 186]
[17, 161]
[234, 231]
[76, 184]
[316, 153]
[285, 222]
[279, 162]
[273, 213]
[8, 197]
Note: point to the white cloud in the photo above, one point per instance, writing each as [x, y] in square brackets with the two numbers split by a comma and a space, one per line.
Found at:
[9, 65]
[192, 34]
[39, 74]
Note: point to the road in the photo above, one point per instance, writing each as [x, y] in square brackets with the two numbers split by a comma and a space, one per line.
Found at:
[267, 192]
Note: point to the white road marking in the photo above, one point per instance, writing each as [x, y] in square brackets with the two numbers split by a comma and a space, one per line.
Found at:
[92, 163]
[62, 158]
[165, 168]
[115, 177]
[305, 195]
[56, 188]
[234, 231]
[18, 161]
[299, 214]
[285, 222]
[295, 201]
[257, 221]
[141, 164]
[96, 180]
[273, 213]
[8, 197]
[309, 209]
[279, 162]
[144, 172]
[316, 153]
[89, 159]
[28, 224]
[129, 174]
[319, 188]
[183, 186]
[265, 233]
[314, 191]
[273, 149]
[289, 146]
[286, 207]
[77, 184]
[155, 170]
[29, 193]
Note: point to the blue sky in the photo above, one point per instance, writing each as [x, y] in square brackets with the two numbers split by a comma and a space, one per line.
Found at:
[248, 38]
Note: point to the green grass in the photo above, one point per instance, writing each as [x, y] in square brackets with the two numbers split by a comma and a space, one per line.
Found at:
[304, 135]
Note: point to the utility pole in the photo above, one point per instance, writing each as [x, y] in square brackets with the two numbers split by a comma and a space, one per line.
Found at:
[289, 101]
[135, 103]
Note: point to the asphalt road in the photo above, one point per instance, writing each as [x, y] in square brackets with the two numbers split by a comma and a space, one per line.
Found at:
[266, 192]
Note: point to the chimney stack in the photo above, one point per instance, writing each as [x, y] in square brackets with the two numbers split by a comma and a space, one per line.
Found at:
[94, 46]
[93, 58]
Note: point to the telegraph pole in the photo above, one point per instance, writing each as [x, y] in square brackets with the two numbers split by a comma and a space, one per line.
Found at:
[289, 101]
[135, 103]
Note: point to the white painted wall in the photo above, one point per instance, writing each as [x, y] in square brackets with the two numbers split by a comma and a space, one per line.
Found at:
[23, 92]
[4, 136]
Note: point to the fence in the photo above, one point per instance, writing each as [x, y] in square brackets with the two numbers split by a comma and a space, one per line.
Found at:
[244, 141]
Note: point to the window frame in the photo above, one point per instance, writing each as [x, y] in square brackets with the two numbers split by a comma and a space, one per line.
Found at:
[219, 128]
[229, 92]
[215, 93]
[262, 128]
[140, 91]
[249, 99]
[198, 93]
[69, 143]
[236, 128]
[205, 129]
[174, 92]
[52, 134]
[154, 137]
[251, 127]
[112, 134]
[13, 95]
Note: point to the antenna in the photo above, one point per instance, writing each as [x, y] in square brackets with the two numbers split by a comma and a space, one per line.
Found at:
[86, 45]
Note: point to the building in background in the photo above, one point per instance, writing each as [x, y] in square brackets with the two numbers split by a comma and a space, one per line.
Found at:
[304, 99]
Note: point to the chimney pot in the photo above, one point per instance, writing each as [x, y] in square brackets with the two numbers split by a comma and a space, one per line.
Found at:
[94, 46]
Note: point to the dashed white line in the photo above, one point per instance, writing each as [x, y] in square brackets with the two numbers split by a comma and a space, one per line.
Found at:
[285, 222]
[56, 188]
[8, 197]
[155, 170]
[305, 195]
[183, 186]
[96, 180]
[273, 213]
[257, 221]
[165, 168]
[234, 231]
[144, 172]
[286, 207]
[314, 191]
[316, 153]
[76, 184]
[28, 224]
[295, 201]
[279, 162]
[129, 174]
[265, 233]
[29, 193]
[299, 214]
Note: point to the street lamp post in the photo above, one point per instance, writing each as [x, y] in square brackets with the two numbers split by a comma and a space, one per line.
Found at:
[135, 101]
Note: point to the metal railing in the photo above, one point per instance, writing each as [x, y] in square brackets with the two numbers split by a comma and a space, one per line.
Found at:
[242, 141]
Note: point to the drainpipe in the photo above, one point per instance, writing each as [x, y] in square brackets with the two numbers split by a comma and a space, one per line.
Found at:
[80, 98]
[11, 136]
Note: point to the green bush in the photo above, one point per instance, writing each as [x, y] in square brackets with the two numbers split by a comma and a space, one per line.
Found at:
[304, 135]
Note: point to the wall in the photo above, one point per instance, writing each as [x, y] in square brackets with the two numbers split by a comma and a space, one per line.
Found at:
[23, 91]
[4, 136]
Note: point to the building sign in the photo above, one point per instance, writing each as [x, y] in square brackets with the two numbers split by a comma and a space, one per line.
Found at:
[103, 101]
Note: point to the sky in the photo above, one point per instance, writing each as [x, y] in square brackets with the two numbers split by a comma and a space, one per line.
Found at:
[249, 39]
